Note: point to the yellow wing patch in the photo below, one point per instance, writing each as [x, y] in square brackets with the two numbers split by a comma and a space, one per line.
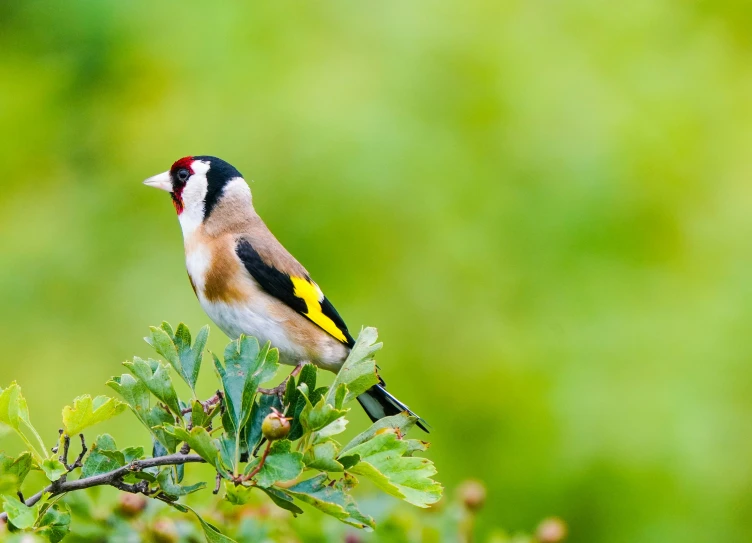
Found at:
[312, 297]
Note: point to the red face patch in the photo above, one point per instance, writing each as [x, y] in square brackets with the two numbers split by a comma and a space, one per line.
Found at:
[178, 184]
[185, 162]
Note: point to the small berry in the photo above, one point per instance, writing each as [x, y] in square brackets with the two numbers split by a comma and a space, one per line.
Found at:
[473, 495]
[130, 505]
[165, 531]
[275, 426]
[551, 530]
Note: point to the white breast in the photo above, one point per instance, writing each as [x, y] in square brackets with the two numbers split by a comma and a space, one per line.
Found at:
[251, 317]
[197, 262]
[254, 320]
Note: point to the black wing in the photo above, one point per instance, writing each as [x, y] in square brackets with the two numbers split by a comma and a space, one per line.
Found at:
[298, 293]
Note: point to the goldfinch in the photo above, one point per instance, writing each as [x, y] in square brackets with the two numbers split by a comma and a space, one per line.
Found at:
[247, 282]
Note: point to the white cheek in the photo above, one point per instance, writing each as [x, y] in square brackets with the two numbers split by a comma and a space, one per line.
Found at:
[193, 202]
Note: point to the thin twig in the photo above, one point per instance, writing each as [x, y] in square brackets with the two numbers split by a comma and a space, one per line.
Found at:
[112, 478]
[186, 448]
[56, 447]
[214, 400]
[79, 460]
[64, 456]
[260, 464]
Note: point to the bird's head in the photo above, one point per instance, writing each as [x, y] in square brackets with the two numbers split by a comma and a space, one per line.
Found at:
[197, 184]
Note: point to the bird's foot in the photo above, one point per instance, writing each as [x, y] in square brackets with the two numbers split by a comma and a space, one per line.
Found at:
[280, 389]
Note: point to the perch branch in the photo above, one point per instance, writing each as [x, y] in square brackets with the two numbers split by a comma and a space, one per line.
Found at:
[111, 478]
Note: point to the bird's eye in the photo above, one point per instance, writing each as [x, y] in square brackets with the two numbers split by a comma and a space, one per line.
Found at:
[183, 175]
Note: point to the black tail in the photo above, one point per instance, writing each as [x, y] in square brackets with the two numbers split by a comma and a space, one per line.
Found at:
[378, 403]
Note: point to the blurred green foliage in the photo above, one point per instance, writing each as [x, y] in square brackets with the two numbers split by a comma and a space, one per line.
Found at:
[543, 207]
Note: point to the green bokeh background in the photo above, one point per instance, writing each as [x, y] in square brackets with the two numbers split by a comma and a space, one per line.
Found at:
[543, 206]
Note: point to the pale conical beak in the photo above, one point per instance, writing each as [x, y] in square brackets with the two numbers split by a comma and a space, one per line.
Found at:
[163, 181]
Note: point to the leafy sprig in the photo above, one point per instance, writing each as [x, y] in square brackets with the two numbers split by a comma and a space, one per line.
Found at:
[280, 442]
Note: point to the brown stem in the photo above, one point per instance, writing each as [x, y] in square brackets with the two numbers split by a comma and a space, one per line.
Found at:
[214, 400]
[111, 478]
[64, 456]
[260, 464]
[79, 459]
[219, 482]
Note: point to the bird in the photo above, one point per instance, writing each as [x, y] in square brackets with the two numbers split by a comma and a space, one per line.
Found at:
[249, 284]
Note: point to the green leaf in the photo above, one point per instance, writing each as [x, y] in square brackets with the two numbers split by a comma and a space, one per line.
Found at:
[53, 469]
[332, 500]
[281, 465]
[88, 412]
[227, 448]
[307, 375]
[167, 328]
[9, 484]
[156, 419]
[283, 500]
[162, 341]
[198, 415]
[383, 460]
[132, 453]
[331, 429]
[55, 522]
[156, 377]
[316, 417]
[190, 356]
[175, 348]
[358, 372]
[401, 422]
[126, 456]
[201, 442]
[348, 461]
[295, 398]
[21, 516]
[237, 495]
[323, 457]
[268, 365]
[16, 467]
[98, 461]
[261, 408]
[136, 395]
[13, 408]
[173, 490]
[241, 495]
[241, 358]
[211, 533]
[13, 412]
[134, 392]
[339, 395]
[246, 367]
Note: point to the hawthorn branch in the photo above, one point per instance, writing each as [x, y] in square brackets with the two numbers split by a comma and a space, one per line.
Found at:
[112, 478]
